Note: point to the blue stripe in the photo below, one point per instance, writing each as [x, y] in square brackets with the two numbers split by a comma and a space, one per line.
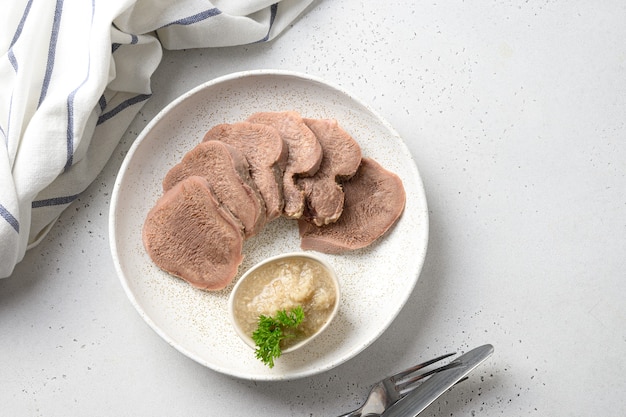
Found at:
[12, 59]
[51, 50]
[190, 20]
[9, 218]
[70, 107]
[57, 201]
[134, 39]
[273, 11]
[17, 34]
[102, 102]
[125, 104]
[70, 129]
[6, 135]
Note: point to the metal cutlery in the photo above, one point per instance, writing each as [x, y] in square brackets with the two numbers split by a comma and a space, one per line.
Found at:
[391, 389]
[399, 393]
[439, 383]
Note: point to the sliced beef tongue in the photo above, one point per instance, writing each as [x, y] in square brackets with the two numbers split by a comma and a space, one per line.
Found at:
[342, 156]
[189, 234]
[228, 173]
[266, 153]
[374, 200]
[305, 154]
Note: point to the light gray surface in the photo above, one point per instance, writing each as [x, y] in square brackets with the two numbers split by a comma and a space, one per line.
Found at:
[515, 113]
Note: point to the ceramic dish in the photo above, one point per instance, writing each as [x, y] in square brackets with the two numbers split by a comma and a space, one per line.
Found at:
[375, 281]
[236, 298]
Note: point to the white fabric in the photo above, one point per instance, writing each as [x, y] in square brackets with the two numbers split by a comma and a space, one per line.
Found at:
[73, 75]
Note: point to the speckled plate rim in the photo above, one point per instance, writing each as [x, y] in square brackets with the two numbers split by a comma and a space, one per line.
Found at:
[419, 239]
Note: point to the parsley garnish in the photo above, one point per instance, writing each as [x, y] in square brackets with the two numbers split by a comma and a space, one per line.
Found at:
[272, 330]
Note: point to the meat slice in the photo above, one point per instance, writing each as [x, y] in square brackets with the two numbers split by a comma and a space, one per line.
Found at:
[266, 153]
[304, 156]
[228, 174]
[190, 235]
[342, 156]
[374, 200]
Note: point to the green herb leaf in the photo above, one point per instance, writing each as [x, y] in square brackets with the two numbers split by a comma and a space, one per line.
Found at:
[271, 330]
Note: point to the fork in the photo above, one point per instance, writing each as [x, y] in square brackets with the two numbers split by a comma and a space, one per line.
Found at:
[391, 389]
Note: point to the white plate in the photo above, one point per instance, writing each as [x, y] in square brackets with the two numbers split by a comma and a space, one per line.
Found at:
[375, 282]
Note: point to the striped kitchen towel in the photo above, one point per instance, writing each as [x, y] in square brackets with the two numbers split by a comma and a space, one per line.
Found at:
[73, 75]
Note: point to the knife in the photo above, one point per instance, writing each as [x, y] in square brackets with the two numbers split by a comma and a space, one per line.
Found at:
[417, 400]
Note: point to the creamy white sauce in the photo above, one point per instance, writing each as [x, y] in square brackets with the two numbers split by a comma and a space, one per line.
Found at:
[285, 284]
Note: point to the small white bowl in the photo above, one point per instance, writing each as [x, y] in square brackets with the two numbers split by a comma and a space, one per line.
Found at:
[251, 274]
